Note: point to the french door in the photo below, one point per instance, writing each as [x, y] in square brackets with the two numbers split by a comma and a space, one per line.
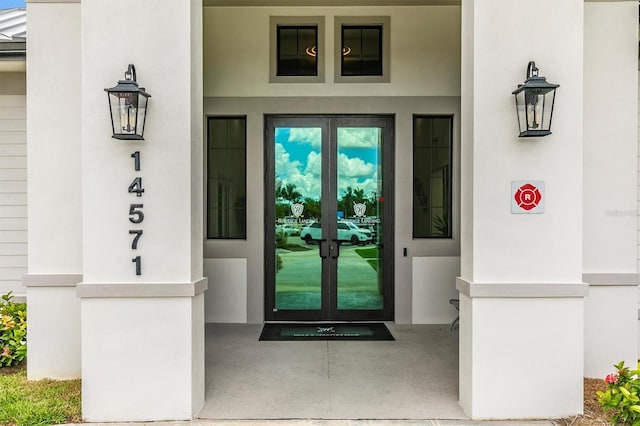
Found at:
[329, 218]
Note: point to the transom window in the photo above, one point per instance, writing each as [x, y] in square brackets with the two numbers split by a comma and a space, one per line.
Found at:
[362, 50]
[297, 51]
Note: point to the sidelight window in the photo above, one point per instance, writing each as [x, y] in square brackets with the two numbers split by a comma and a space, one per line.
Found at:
[226, 178]
[432, 190]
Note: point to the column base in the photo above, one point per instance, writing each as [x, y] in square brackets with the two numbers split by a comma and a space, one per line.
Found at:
[53, 326]
[521, 350]
[142, 357]
[611, 322]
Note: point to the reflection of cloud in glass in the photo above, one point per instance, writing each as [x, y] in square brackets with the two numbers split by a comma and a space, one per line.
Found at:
[311, 136]
[314, 164]
[358, 137]
[298, 160]
[353, 167]
[290, 172]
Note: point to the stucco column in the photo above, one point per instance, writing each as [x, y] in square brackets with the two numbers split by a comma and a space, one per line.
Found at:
[54, 189]
[522, 296]
[610, 185]
[143, 334]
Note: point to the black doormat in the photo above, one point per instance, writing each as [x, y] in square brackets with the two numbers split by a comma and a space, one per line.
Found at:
[325, 331]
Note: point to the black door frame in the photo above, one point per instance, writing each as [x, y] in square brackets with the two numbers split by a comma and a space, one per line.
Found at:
[329, 125]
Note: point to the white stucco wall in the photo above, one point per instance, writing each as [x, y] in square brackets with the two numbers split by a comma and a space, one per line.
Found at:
[432, 286]
[159, 313]
[610, 136]
[55, 187]
[54, 190]
[13, 182]
[226, 298]
[166, 246]
[425, 56]
[536, 247]
[521, 273]
[610, 185]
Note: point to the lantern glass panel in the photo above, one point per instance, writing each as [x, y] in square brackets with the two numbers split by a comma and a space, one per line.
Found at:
[128, 113]
[534, 108]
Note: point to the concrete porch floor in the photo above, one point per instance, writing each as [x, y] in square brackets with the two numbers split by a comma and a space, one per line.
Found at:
[414, 377]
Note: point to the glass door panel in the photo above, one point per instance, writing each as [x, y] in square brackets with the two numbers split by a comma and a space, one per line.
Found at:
[327, 226]
[297, 209]
[359, 216]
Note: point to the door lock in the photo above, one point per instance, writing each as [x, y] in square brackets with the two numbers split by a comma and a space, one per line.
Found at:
[335, 250]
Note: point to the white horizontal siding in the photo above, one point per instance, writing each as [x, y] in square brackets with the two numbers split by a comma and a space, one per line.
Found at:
[12, 125]
[13, 174]
[13, 149]
[13, 137]
[13, 211]
[13, 193]
[13, 162]
[13, 112]
[13, 249]
[14, 101]
[13, 224]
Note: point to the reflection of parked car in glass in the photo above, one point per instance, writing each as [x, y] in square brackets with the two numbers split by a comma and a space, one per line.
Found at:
[370, 228]
[347, 231]
[287, 230]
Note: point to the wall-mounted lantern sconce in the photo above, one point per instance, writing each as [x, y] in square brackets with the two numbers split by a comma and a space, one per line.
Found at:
[128, 107]
[534, 104]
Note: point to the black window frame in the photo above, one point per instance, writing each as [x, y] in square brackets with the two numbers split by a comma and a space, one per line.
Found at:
[362, 27]
[449, 177]
[207, 180]
[315, 44]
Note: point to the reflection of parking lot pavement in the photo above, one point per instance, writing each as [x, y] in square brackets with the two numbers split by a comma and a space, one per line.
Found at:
[300, 275]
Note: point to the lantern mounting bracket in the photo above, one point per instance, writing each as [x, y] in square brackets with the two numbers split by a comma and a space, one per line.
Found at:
[130, 73]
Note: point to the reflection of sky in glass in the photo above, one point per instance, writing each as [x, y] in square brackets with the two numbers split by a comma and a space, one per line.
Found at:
[298, 159]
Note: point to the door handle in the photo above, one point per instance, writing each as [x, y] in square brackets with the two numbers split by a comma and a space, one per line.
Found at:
[334, 249]
[323, 248]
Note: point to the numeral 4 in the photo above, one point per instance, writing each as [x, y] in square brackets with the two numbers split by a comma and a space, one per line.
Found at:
[136, 187]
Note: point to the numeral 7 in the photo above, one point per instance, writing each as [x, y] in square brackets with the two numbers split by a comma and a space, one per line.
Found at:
[138, 234]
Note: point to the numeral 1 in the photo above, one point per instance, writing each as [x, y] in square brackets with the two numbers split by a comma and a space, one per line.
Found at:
[137, 260]
[136, 160]
[138, 234]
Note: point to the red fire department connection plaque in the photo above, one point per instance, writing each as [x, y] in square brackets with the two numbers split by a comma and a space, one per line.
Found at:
[527, 196]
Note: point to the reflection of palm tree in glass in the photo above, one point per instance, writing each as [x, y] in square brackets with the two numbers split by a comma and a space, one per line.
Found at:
[353, 196]
[288, 192]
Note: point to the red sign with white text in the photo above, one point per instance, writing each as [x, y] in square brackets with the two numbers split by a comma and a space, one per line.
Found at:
[527, 197]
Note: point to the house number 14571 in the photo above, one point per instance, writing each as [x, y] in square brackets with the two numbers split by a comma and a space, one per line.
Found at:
[136, 216]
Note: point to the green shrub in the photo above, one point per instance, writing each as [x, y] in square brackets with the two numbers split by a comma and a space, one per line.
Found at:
[620, 400]
[13, 331]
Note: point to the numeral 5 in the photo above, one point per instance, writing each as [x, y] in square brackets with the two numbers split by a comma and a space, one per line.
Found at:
[137, 216]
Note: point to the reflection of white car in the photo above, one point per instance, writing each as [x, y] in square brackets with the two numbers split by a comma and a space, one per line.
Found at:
[347, 231]
[282, 230]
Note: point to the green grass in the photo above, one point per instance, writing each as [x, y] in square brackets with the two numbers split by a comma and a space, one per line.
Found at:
[38, 402]
[370, 255]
